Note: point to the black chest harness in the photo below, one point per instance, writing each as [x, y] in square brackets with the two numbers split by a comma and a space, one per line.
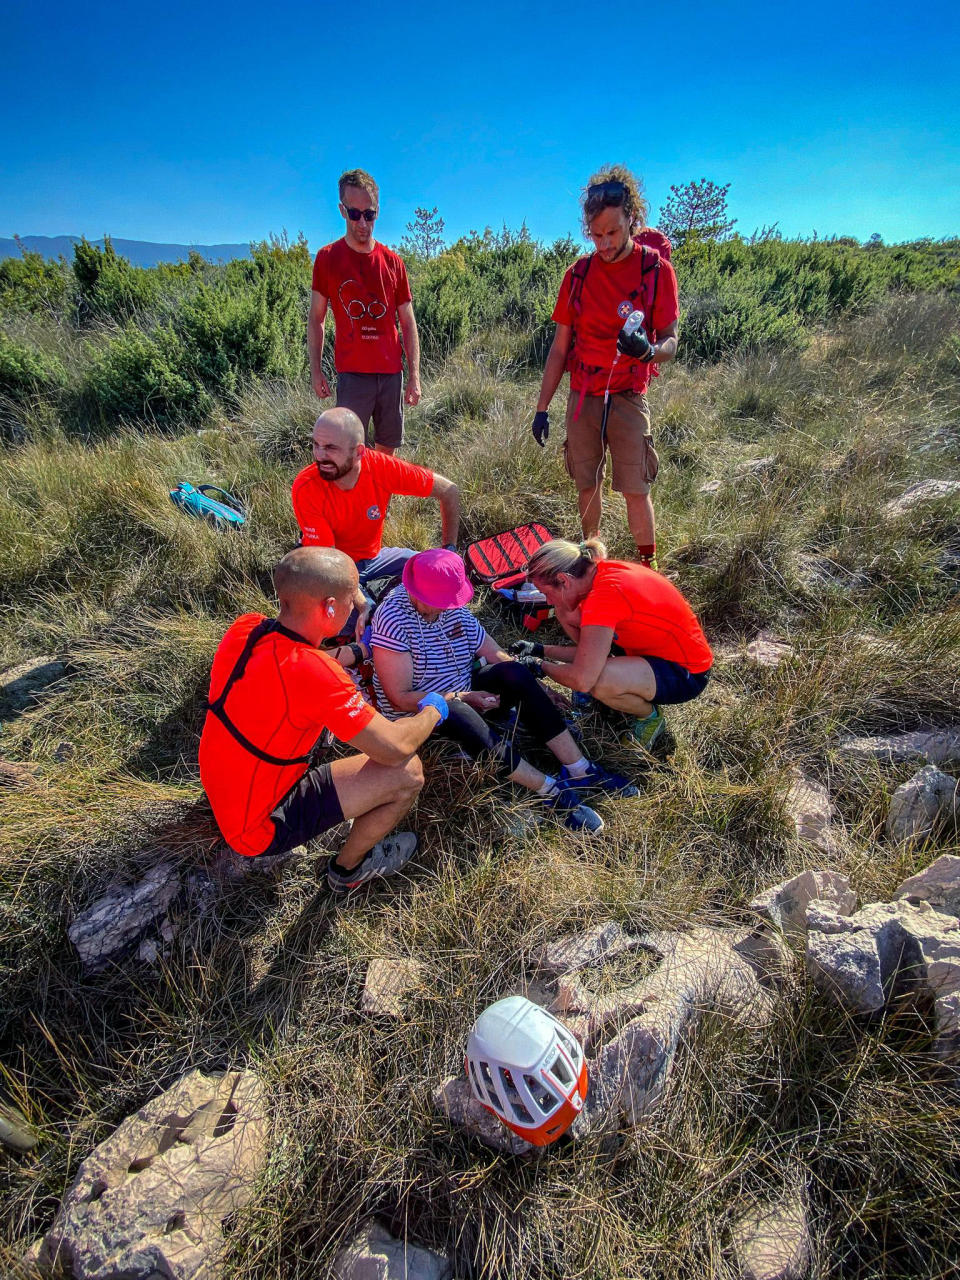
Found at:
[216, 708]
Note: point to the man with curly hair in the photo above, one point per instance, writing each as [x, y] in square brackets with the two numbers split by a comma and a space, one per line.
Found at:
[366, 286]
[607, 401]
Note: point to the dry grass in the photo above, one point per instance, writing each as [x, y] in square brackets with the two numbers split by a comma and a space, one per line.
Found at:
[95, 564]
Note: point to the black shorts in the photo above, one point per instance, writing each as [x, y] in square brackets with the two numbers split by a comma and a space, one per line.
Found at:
[309, 808]
[378, 396]
[674, 682]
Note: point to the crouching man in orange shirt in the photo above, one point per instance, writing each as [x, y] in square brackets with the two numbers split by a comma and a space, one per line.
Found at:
[272, 693]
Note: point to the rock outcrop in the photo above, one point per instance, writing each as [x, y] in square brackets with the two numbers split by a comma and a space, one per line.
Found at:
[771, 1240]
[785, 905]
[390, 985]
[151, 1199]
[928, 801]
[454, 1099]
[113, 925]
[938, 884]
[890, 949]
[923, 491]
[934, 746]
[601, 942]
[374, 1254]
[705, 970]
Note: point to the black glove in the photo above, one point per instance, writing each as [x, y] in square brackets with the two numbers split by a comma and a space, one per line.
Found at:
[541, 427]
[527, 649]
[534, 665]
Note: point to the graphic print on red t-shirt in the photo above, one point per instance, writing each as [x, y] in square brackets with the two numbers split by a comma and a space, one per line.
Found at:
[288, 694]
[610, 291]
[649, 616]
[364, 291]
[352, 519]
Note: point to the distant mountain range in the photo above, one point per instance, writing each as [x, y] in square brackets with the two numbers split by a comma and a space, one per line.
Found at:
[142, 253]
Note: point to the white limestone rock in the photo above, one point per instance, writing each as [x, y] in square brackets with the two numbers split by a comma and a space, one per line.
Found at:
[809, 810]
[938, 884]
[924, 491]
[390, 985]
[887, 950]
[705, 970]
[768, 651]
[151, 1199]
[577, 950]
[15, 1130]
[454, 1098]
[934, 746]
[771, 1241]
[374, 1254]
[921, 805]
[785, 905]
[116, 922]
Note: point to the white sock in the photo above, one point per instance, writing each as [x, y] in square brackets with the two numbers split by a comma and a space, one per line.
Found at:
[578, 768]
[549, 787]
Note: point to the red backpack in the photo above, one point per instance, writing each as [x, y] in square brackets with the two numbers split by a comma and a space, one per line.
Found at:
[500, 563]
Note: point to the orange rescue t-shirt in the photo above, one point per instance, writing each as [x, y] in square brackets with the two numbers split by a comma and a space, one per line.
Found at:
[649, 616]
[607, 298]
[289, 693]
[352, 519]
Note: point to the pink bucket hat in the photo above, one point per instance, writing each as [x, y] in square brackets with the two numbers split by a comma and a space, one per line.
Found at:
[437, 579]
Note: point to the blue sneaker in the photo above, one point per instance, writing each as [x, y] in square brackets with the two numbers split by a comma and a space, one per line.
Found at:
[574, 815]
[582, 702]
[597, 778]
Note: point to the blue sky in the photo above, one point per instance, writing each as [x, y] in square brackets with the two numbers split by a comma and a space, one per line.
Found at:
[215, 122]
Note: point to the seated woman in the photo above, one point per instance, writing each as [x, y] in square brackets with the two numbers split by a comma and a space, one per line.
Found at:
[425, 641]
[637, 643]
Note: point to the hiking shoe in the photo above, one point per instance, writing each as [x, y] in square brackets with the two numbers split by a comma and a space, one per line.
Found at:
[578, 817]
[387, 856]
[597, 778]
[648, 730]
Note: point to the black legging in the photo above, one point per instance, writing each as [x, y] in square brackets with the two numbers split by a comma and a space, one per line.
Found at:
[517, 687]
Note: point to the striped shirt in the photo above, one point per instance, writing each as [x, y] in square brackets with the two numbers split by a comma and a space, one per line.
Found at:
[442, 651]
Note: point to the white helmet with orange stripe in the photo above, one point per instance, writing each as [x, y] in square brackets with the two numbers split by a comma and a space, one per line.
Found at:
[528, 1069]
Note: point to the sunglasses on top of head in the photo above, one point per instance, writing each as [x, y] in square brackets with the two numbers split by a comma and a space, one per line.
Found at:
[606, 194]
[355, 215]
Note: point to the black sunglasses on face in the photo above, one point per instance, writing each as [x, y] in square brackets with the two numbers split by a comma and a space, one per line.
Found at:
[355, 215]
[604, 195]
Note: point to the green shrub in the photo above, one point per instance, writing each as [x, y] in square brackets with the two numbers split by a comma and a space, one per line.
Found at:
[31, 284]
[140, 376]
[26, 372]
[107, 287]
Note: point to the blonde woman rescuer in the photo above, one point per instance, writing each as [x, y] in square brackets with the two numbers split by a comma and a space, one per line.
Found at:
[636, 642]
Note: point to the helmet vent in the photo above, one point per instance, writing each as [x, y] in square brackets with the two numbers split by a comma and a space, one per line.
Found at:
[486, 1084]
[542, 1096]
[562, 1071]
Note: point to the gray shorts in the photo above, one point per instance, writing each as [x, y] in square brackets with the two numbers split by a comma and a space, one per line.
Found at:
[378, 396]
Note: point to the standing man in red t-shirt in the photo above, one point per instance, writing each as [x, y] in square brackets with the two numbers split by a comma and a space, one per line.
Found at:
[607, 404]
[366, 285]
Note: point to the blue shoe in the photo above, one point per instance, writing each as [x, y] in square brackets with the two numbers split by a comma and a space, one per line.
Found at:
[597, 778]
[574, 815]
[582, 702]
